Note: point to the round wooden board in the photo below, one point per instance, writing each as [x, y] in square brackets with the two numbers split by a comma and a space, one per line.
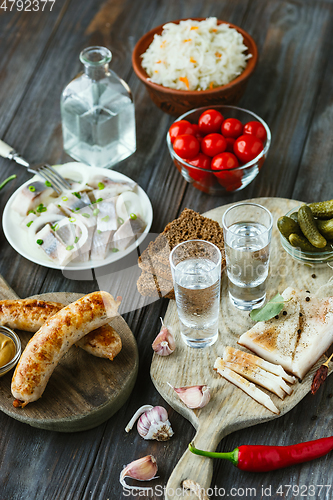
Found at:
[84, 391]
[230, 408]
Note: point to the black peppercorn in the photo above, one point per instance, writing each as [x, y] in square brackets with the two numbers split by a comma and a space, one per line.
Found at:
[284, 313]
[277, 316]
[307, 299]
[313, 276]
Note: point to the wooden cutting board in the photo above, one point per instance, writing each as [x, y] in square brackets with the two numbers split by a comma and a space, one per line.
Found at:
[230, 408]
[84, 391]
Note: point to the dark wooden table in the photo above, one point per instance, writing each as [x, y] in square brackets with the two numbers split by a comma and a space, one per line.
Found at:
[291, 89]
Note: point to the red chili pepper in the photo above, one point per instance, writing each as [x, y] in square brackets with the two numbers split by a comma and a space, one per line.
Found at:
[257, 458]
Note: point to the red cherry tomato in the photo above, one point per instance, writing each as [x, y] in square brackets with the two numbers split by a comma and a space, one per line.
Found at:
[213, 144]
[182, 127]
[231, 127]
[230, 144]
[210, 121]
[224, 161]
[201, 161]
[257, 129]
[247, 147]
[186, 146]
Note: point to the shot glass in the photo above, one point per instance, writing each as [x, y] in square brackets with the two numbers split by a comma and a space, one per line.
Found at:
[196, 272]
[247, 229]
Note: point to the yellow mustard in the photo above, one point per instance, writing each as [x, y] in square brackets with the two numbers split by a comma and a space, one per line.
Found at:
[7, 349]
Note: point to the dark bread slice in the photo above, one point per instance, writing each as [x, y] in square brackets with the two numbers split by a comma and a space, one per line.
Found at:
[190, 225]
[149, 285]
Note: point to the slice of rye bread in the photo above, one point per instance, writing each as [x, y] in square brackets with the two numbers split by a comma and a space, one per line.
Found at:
[149, 285]
[189, 226]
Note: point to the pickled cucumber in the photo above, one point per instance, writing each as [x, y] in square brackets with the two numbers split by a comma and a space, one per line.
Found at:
[325, 227]
[287, 226]
[309, 229]
[302, 243]
[294, 216]
[322, 209]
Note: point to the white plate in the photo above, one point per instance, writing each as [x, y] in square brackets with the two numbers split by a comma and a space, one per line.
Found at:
[18, 237]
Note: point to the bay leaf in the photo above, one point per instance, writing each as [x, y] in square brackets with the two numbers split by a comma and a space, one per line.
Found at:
[269, 310]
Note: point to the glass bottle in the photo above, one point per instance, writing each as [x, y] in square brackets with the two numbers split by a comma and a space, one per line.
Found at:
[97, 111]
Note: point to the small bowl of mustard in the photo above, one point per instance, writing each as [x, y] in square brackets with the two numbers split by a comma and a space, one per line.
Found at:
[10, 349]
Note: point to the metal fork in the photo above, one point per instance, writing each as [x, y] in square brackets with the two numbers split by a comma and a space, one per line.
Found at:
[46, 171]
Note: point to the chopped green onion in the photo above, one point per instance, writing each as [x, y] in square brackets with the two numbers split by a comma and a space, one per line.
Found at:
[77, 208]
[64, 198]
[86, 215]
[114, 250]
[29, 223]
[120, 220]
[48, 184]
[70, 247]
[7, 180]
[99, 231]
[96, 212]
[77, 195]
[55, 227]
[76, 239]
[106, 218]
[39, 242]
[41, 208]
[101, 185]
[99, 200]
[32, 188]
[133, 216]
[31, 212]
[72, 219]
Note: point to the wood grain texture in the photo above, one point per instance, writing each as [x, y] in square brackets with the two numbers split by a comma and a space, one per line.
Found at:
[230, 409]
[83, 390]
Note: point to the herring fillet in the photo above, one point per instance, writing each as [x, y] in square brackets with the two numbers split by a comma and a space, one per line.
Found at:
[258, 376]
[237, 356]
[249, 388]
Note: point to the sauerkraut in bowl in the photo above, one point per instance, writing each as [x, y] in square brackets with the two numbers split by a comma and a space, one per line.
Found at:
[195, 55]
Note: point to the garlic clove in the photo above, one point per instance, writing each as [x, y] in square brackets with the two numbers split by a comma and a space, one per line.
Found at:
[164, 344]
[153, 423]
[195, 396]
[143, 469]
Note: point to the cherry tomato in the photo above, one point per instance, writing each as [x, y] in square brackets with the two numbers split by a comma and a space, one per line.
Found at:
[182, 127]
[247, 147]
[201, 161]
[213, 144]
[257, 129]
[224, 161]
[210, 121]
[186, 146]
[230, 144]
[231, 127]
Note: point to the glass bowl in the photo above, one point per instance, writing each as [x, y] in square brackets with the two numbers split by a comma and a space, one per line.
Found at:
[234, 179]
[319, 257]
[12, 335]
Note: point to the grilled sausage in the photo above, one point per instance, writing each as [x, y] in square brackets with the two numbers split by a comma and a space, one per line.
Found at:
[53, 340]
[31, 314]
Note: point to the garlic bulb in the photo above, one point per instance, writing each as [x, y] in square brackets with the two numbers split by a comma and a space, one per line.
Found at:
[195, 396]
[143, 469]
[153, 423]
[164, 344]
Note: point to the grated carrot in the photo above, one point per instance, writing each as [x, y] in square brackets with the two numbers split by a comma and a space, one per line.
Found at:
[188, 40]
[214, 30]
[156, 71]
[192, 60]
[184, 80]
[211, 85]
[158, 62]
[217, 54]
[194, 28]
[162, 44]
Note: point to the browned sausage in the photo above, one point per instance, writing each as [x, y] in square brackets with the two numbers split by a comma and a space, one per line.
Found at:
[53, 340]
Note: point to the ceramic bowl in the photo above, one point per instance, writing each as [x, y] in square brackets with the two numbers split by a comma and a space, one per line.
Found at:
[231, 180]
[176, 102]
[12, 335]
[319, 257]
